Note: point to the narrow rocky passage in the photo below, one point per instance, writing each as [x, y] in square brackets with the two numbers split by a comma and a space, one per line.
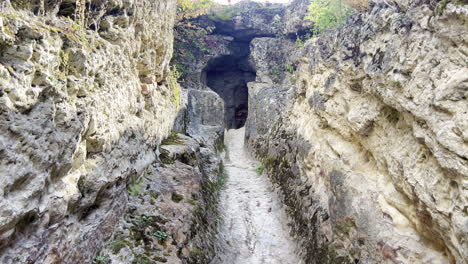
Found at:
[254, 227]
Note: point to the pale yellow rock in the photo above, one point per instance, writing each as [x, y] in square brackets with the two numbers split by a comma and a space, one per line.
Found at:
[74, 121]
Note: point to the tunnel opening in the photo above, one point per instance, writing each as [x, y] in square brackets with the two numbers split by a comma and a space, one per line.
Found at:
[228, 76]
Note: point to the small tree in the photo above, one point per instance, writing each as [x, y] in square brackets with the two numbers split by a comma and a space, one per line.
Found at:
[189, 34]
[327, 14]
[187, 9]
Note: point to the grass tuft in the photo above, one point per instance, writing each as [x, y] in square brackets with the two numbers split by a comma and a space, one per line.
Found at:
[260, 170]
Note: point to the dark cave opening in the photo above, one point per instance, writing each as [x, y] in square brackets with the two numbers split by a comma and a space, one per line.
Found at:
[228, 76]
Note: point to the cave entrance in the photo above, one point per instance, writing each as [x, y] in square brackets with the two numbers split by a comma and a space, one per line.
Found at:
[228, 76]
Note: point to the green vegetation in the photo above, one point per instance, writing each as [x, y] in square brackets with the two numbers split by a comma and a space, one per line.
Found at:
[441, 5]
[222, 175]
[172, 139]
[141, 259]
[278, 25]
[269, 161]
[165, 157]
[290, 68]
[397, 84]
[300, 40]
[154, 195]
[224, 14]
[177, 197]
[116, 246]
[187, 9]
[135, 187]
[175, 87]
[327, 14]
[160, 259]
[101, 260]
[260, 170]
[190, 36]
[221, 147]
[76, 33]
[210, 192]
[276, 73]
[345, 226]
[144, 229]
[206, 211]
[196, 253]
[190, 41]
[192, 202]
[460, 2]
[160, 235]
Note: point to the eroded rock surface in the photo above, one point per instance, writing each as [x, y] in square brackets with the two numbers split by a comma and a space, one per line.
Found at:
[171, 216]
[371, 151]
[363, 130]
[216, 58]
[247, 20]
[85, 99]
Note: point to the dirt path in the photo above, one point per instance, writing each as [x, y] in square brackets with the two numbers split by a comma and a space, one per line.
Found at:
[254, 228]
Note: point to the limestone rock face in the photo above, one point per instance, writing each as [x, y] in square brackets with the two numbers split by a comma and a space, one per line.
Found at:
[201, 113]
[205, 111]
[85, 98]
[171, 212]
[218, 59]
[247, 20]
[371, 150]
[294, 22]
[273, 88]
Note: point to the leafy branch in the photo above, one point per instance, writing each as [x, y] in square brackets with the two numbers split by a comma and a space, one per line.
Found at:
[327, 14]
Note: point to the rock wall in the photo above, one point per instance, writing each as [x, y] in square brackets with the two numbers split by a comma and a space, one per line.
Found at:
[172, 212]
[371, 150]
[201, 114]
[211, 54]
[273, 88]
[85, 98]
[247, 20]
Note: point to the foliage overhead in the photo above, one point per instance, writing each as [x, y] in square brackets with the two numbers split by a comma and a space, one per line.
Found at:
[190, 35]
[187, 9]
[327, 14]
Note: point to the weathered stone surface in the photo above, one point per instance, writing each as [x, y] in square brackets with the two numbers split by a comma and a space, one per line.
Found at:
[364, 131]
[205, 116]
[247, 20]
[371, 154]
[294, 18]
[82, 108]
[171, 211]
[208, 63]
[274, 61]
[193, 64]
